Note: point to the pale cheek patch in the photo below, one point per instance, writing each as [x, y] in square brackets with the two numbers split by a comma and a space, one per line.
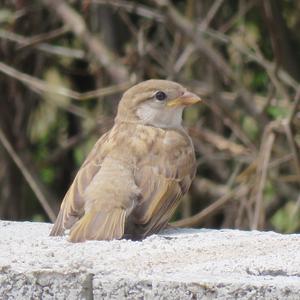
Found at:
[160, 116]
[145, 113]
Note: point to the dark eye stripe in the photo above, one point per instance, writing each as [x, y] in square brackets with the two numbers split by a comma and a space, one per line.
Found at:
[160, 96]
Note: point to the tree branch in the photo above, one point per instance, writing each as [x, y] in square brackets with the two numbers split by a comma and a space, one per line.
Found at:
[28, 177]
[42, 86]
[207, 212]
[96, 47]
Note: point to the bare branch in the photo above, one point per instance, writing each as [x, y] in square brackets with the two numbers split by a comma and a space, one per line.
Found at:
[242, 12]
[47, 48]
[261, 173]
[44, 37]
[212, 209]
[295, 107]
[28, 177]
[293, 146]
[267, 65]
[42, 86]
[219, 142]
[95, 46]
[211, 14]
[133, 7]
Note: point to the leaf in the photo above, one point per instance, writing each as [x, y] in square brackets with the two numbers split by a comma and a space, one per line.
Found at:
[277, 112]
[6, 16]
[45, 116]
[250, 127]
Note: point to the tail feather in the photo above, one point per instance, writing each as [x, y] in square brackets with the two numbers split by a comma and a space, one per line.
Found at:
[64, 222]
[58, 228]
[99, 226]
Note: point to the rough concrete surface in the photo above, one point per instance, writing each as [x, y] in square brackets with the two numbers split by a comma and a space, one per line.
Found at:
[178, 264]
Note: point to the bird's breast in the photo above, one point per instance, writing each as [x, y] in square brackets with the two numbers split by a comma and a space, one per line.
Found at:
[141, 143]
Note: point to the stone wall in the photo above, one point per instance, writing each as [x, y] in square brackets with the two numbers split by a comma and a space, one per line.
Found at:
[178, 264]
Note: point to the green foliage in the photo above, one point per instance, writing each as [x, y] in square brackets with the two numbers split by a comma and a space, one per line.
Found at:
[38, 218]
[250, 126]
[277, 112]
[48, 175]
[287, 219]
[6, 16]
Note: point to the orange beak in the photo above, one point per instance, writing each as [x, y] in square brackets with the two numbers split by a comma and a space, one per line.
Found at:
[186, 99]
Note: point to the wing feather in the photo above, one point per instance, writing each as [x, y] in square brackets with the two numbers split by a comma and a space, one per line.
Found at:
[110, 196]
[72, 207]
[163, 177]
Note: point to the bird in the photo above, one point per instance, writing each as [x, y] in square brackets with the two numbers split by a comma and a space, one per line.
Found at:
[132, 181]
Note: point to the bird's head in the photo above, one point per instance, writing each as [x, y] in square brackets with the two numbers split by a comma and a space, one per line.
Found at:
[158, 103]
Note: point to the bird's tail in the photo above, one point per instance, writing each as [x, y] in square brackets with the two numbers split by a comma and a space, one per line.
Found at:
[58, 228]
[99, 226]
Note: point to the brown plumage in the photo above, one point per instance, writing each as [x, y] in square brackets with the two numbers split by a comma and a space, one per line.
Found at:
[132, 181]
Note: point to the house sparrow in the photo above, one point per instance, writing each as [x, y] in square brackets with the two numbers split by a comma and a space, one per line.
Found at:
[131, 183]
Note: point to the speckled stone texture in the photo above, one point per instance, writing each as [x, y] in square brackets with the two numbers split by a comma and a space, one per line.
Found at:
[178, 264]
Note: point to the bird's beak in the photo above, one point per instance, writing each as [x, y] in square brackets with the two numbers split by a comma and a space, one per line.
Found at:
[186, 99]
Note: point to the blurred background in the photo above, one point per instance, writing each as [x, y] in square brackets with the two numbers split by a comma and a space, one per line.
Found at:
[65, 64]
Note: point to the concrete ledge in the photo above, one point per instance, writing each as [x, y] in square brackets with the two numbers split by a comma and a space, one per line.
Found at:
[179, 264]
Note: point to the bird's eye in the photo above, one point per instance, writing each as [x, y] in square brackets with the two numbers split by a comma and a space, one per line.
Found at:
[160, 96]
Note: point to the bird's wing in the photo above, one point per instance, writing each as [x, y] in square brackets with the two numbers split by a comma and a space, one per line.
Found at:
[72, 207]
[110, 197]
[102, 194]
[163, 177]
